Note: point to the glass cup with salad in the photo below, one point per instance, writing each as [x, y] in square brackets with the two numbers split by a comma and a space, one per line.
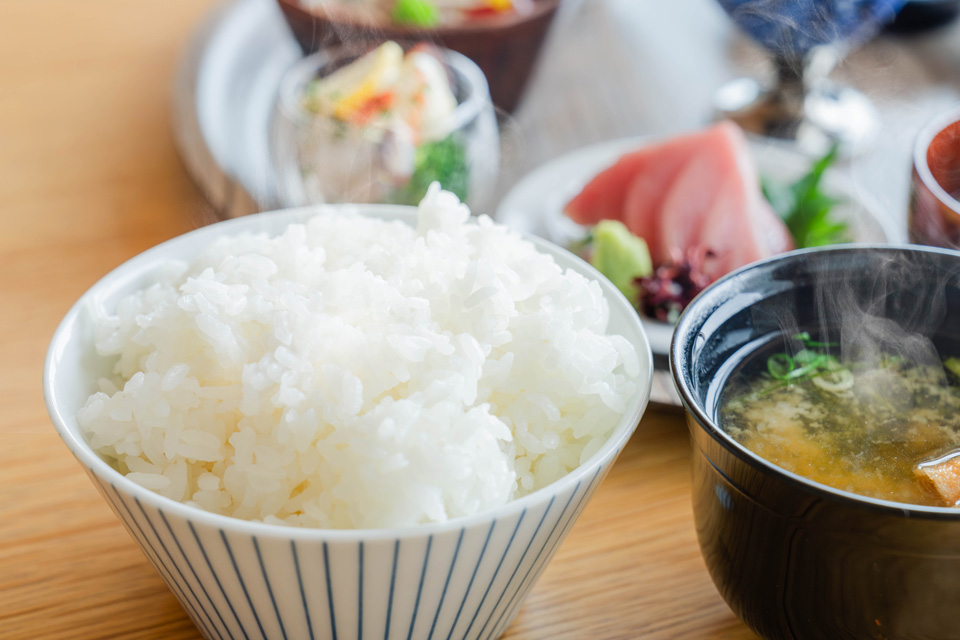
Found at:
[379, 124]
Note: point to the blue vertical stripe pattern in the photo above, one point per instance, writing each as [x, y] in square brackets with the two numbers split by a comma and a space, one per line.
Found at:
[193, 571]
[446, 584]
[496, 572]
[473, 576]
[216, 579]
[360, 593]
[517, 567]
[153, 556]
[423, 575]
[176, 566]
[420, 577]
[243, 585]
[326, 573]
[164, 570]
[584, 499]
[303, 593]
[564, 530]
[266, 581]
[393, 581]
[511, 603]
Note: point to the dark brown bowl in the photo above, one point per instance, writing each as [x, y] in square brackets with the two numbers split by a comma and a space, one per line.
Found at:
[935, 185]
[505, 47]
[795, 559]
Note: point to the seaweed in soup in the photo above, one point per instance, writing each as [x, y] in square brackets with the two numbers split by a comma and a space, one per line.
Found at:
[870, 428]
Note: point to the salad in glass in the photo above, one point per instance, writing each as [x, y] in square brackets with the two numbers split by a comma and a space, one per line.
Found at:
[382, 124]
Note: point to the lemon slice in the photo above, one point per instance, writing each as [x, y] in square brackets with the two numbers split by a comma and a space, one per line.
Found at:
[348, 88]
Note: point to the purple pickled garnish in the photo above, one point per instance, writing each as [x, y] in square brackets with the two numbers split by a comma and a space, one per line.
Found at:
[666, 293]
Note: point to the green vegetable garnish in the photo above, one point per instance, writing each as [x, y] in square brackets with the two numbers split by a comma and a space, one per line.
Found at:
[445, 162]
[810, 364]
[804, 208]
[810, 343]
[780, 365]
[621, 256]
[416, 13]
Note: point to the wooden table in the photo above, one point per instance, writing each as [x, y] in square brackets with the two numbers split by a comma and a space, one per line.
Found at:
[89, 178]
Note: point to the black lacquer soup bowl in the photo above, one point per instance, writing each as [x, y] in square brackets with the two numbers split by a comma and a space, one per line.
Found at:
[794, 558]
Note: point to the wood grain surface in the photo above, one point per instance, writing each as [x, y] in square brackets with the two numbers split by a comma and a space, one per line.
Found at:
[89, 177]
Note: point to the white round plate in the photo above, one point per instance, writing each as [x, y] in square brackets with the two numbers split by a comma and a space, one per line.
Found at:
[535, 204]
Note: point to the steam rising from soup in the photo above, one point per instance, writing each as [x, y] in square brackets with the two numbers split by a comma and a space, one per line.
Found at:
[867, 405]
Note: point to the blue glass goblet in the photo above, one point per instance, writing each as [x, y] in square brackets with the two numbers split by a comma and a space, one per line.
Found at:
[806, 39]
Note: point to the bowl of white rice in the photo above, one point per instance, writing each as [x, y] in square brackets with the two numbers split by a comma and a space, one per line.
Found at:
[349, 421]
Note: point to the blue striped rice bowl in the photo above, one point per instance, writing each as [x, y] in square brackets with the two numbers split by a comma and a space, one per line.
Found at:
[465, 578]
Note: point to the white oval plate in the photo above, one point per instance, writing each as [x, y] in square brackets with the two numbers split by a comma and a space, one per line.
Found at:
[535, 203]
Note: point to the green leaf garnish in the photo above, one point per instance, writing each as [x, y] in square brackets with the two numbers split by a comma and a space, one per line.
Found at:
[804, 208]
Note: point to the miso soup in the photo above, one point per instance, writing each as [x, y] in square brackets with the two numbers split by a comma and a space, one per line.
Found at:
[885, 430]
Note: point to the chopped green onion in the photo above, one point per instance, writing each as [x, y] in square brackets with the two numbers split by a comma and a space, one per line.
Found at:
[808, 363]
[809, 342]
[780, 365]
[812, 366]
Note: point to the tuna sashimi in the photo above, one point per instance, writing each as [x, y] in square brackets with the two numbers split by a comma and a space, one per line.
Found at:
[716, 203]
[645, 195]
[695, 193]
[738, 231]
[635, 183]
[604, 197]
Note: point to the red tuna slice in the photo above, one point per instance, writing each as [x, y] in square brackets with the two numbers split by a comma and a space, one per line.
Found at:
[633, 188]
[739, 227]
[695, 190]
[603, 197]
[739, 234]
[648, 190]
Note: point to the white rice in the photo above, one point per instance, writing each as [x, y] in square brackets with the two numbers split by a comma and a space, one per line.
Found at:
[356, 373]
